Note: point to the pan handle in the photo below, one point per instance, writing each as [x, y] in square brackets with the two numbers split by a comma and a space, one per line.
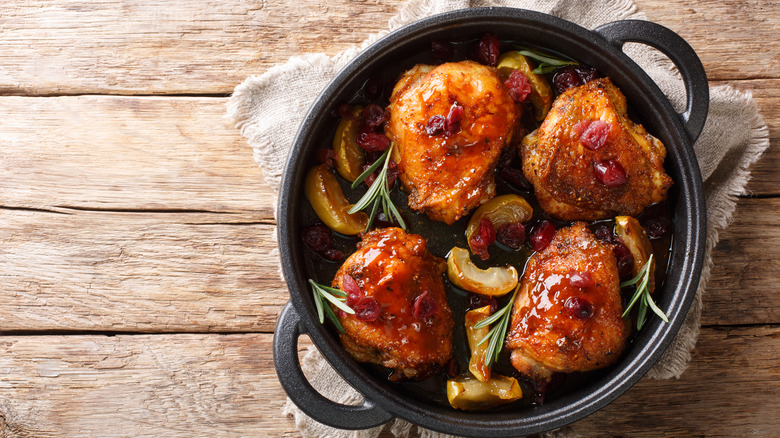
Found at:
[288, 369]
[682, 55]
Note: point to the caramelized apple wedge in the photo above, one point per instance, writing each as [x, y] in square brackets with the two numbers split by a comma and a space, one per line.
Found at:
[464, 274]
[328, 201]
[468, 393]
[635, 238]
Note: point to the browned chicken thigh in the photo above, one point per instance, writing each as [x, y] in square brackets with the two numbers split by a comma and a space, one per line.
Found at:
[588, 161]
[567, 316]
[449, 125]
[402, 320]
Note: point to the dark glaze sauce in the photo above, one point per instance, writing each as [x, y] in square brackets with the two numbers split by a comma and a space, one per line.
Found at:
[441, 238]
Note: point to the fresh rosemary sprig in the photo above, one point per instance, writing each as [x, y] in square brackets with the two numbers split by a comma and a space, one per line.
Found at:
[378, 193]
[496, 335]
[547, 63]
[642, 295]
[335, 296]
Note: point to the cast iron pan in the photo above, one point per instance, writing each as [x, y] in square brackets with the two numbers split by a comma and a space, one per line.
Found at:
[600, 48]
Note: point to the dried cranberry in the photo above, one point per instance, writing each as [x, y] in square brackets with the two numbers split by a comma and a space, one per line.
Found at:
[345, 111]
[488, 50]
[442, 50]
[625, 261]
[333, 254]
[351, 288]
[604, 233]
[326, 157]
[586, 73]
[367, 309]
[342, 314]
[515, 177]
[580, 278]
[372, 89]
[382, 221]
[595, 135]
[435, 125]
[580, 127]
[656, 226]
[371, 176]
[317, 237]
[372, 141]
[565, 78]
[392, 173]
[578, 307]
[542, 235]
[511, 235]
[373, 115]
[484, 237]
[424, 306]
[478, 300]
[518, 85]
[610, 173]
[455, 116]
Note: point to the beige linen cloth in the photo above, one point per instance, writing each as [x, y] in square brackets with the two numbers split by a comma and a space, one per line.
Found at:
[269, 108]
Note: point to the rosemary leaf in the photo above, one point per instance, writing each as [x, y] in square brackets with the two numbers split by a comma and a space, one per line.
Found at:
[338, 303]
[335, 296]
[333, 319]
[371, 169]
[545, 58]
[379, 192]
[497, 334]
[318, 302]
[642, 296]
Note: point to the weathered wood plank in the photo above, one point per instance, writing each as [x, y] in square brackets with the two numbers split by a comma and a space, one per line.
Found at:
[168, 272]
[215, 385]
[194, 46]
[126, 153]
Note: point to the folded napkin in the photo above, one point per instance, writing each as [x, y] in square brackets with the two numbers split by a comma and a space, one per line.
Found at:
[268, 110]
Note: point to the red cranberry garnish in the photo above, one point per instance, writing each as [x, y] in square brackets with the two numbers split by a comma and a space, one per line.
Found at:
[580, 278]
[610, 173]
[371, 176]
[326, 157]
[595, 135]
[367, 309]
[604, 233]
[511, 235]
[566, 78]
[373, 88]
[578, 307]
[515, 177]
[478, 300]
[656, 226]
[518, 85]
[542, 235]
[372, 141]
[625, 261]
[392, 174]
[345, 111]
[424, 306]
[333, 254]
[442, 50]
[435, 125]
[455, 116]
[317, 237]
[351, 288]
[373, 115]
[488, 50]
[586, 73]
[484, 237]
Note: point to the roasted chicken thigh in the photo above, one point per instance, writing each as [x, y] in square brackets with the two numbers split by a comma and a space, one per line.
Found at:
[567, 315]
[449, 125]
[402, 320]
[588, 161]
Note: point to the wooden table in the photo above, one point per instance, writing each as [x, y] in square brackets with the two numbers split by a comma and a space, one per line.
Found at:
[139, 293]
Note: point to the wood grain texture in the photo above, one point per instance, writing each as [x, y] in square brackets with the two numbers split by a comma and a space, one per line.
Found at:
[196, 46]
[208, 272]
[212, 385]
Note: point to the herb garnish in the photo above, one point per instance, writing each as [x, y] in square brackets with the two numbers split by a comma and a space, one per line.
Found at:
[547, 63]
[642, 294]
[378, 193]
[496, 335]
[335, 296]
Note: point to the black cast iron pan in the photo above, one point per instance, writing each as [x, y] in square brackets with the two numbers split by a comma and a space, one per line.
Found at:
[600, 48]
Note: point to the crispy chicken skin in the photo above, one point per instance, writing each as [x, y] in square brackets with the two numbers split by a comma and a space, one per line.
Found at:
[561, 168]
[547, 335]
[449, 175]
[395, 268]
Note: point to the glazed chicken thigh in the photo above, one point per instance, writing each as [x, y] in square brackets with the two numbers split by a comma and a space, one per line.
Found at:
[588, 161]
[450, 124]
[402, 320]
[567, 316]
